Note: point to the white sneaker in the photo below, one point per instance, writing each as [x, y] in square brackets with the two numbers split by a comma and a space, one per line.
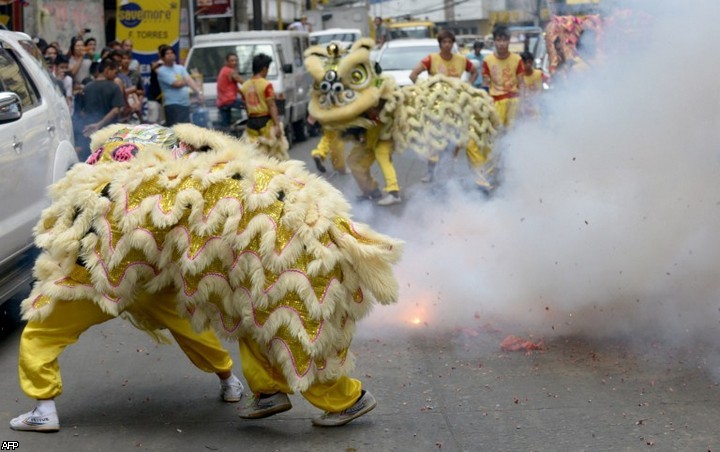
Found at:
[33, 422]
[389, 199]
[232, 390]
[259, 407]
[427, 178]
[365, 404]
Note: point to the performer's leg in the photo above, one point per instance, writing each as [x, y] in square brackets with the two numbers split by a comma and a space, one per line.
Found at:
[337, 155]
[261, 376]
[430, 174]
[343, 401]
[383, 154]
[334, 396]
[203, 349]
[483, 169]
[268, 385]
[42, 342]
[323, 147]
[360, 160]
[513, 107]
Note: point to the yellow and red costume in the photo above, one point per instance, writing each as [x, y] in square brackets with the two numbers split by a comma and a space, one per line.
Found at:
[256, 92]
[504, 75]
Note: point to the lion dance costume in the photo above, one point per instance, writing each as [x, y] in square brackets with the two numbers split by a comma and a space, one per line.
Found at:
[438, 114]
[256, 248]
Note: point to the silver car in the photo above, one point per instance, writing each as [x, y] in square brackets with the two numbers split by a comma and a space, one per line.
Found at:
[36, 149]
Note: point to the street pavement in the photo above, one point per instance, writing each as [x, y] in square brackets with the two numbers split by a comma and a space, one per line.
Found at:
[451, 388]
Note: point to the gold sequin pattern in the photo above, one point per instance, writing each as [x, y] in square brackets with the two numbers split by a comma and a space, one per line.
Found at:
[291, 301]
[301, 358]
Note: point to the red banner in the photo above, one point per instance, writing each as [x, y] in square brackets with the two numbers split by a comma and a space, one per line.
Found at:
[213, 8]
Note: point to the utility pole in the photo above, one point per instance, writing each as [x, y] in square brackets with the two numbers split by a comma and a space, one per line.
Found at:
[449, 10]
[257, 15]
[241, 15]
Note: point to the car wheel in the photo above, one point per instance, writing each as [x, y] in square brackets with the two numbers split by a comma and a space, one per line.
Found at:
[315, 130]
[289, 134]
[300, 130]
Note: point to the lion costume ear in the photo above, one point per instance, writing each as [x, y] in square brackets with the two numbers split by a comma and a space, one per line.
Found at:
[366, 43]
[315, 58]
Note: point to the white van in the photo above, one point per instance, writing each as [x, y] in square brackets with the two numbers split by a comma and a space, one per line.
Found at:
[290, 80]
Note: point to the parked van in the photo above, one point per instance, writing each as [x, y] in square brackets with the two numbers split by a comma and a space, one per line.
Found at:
[290, 80]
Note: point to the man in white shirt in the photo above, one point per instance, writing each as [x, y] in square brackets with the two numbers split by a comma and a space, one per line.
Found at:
[301, 25]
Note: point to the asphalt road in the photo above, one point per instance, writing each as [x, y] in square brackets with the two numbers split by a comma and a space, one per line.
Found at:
[439, 387]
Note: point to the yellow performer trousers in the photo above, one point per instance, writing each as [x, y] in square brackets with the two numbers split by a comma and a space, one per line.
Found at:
[361, 159]
[477, 157]
[263, 378]
[265, 132]
[331, 143]
[43, 341]
[507, 110]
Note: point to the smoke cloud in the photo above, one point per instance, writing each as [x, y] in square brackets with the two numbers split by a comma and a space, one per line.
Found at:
[607, 219]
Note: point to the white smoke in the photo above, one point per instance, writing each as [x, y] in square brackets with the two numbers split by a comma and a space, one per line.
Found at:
[608, 216]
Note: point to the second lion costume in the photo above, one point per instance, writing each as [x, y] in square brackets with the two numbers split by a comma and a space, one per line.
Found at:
[436, 115]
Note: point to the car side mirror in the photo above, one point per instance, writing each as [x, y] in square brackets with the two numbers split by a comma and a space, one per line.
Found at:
[287, 68]
[10, 107]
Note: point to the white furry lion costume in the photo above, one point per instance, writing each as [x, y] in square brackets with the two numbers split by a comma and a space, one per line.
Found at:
[434, 115]
[255, 247]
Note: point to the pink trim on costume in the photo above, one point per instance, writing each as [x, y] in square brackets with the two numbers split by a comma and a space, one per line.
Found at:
[190, 294]
[222, 320]
[292, 358]
[320, 327]
[132, 264]
[321, 300]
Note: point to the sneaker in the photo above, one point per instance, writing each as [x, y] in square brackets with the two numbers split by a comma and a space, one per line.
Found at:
[375, 194]
[390, 198]
[258, 407]
[428, 177]
[231, 391]
[365, 404]
[319, 164]
[33, 422]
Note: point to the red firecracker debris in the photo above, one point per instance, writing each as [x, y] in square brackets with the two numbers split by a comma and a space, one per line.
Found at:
[515, 344]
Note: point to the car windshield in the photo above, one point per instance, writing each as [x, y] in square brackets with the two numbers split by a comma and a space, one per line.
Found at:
[404, 58]
[417, 32]
[325, 39]
[209, 60]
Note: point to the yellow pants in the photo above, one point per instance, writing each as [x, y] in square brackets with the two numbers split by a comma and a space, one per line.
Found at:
[477, 157]
[507, 110]
[331, 143]
[265, 132]
[43, 341]
[361, 159]
[263, 378]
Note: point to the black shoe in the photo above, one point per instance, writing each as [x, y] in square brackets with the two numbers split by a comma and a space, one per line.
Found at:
[373, 195]
[319, 165]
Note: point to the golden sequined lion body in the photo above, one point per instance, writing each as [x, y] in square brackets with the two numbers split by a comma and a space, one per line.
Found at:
[251, 246]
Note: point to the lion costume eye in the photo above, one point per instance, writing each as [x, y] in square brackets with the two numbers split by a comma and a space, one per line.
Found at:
[359, 76]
